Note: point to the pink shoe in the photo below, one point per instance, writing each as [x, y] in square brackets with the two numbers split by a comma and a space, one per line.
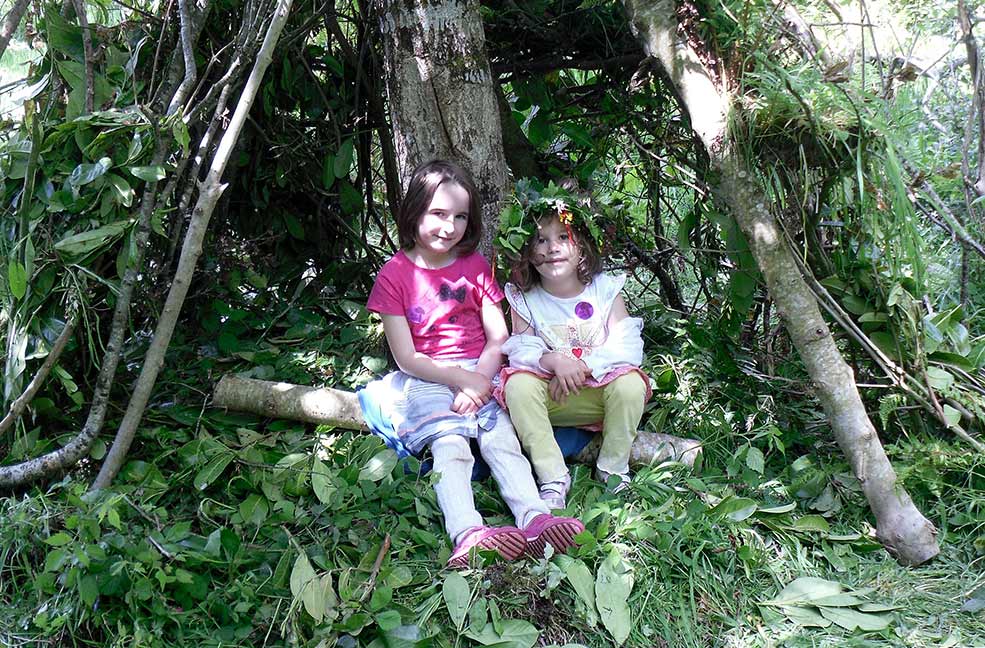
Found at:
[507, 541]
[559, 531]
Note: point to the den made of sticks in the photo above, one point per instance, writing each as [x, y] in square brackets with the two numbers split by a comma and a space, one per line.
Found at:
[198, 198]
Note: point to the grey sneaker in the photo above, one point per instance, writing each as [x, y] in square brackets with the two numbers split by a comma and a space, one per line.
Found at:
[620, 486]
[555, 493]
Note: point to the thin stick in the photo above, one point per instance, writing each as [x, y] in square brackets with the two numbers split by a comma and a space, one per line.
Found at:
[80, 12]
[189, 57]
[371, 583]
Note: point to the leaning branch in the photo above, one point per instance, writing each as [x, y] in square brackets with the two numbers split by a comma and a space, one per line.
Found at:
[211, 190]
[10, 23]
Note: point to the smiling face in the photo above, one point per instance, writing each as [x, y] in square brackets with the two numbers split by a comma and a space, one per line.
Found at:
[443, 223]
[555, 255]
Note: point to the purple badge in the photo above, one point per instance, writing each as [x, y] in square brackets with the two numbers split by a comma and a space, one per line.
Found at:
[584, 310]
[415, 314]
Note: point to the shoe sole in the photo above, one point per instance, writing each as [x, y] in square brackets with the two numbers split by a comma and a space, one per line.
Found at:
[561, 536]
[509, 545]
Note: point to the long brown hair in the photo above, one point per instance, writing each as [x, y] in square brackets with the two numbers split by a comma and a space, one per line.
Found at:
[425, 181]
[524, 272]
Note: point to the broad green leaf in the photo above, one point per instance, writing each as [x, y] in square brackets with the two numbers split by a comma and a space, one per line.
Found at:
[838, 600]
[613, 585]
[805, 589]
[350, 199]
[456, 594]
[148, 173]
[17, 279]
[86, 242]
[976, 602]
[254, 509]
[512, 633]
[755, 460]
[805, 616]
[951, 415]
[776, 510]
[811, 523]
[343, 159]
[294, 226]
[86, 173]
[734, 508]
[122, 191]
[850, 619]
[212, 470]
[379, 466]
[328, 172]
[581, 580]
[312, 591]
[321, 482]
[939, 378]
[181, 135]
[59, 539]
[879, 607]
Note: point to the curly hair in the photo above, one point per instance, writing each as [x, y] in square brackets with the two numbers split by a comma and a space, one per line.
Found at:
[524, 271]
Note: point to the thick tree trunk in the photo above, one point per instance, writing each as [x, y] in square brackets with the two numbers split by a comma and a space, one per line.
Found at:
[341, 409]
[900, 526]
[441, 94]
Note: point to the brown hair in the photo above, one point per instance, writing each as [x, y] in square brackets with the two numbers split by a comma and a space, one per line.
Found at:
[524, 272]
[425, 181]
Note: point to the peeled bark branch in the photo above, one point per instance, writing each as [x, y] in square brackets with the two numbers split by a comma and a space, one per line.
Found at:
[191, 250]
[899, 525]
[10, 23]
[326, 406]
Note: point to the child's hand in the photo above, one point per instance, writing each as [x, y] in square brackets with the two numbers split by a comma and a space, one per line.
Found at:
[569, 375]
[464, 405]
[475, 386]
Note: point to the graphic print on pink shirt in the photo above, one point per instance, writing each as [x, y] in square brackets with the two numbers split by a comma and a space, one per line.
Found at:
[443, 307]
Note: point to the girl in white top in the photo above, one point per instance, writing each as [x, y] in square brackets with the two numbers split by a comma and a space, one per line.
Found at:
[574, 353]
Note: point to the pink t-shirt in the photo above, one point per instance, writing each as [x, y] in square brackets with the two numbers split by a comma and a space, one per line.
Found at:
[443, 307]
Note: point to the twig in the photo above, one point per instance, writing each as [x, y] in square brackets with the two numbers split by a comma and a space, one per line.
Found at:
[371, 583]
[189, 57]
[10, 23]
[80, 12]
[20, 404]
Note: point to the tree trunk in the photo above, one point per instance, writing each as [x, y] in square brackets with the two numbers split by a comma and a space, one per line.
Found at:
[901, 528]
[441, 95]
[341, 409]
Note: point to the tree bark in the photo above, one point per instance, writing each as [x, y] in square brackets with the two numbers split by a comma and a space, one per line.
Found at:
[326, 406]
[10, 22]
[902, 529]
[211, 190]
[441, 96]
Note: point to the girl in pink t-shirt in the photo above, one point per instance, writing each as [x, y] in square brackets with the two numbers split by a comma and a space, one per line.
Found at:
[440, 307]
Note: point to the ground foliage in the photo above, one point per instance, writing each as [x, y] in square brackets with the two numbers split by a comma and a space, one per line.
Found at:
[223, 529]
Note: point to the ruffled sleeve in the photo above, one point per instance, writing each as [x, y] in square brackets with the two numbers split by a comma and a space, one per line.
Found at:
[623, 347]
[608, 287]
[517, 302]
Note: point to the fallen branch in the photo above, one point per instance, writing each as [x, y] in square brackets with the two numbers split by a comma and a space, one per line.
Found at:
[337, 408]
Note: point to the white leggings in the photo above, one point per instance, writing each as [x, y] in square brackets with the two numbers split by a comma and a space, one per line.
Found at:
[500, 448]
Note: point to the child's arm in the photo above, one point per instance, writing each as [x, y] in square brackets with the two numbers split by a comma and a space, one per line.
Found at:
[417, 364]
[622, 347]
[569, 373]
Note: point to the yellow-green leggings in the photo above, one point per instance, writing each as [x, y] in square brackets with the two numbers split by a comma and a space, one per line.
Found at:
[619, 405]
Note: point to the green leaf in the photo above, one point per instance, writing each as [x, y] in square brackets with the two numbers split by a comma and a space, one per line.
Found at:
[59, 539]
[456, 593]
[811, 523]
[350, 199]
[581, 580]
[776, 510]
[316, 594]
[850, 619]
[148, 173]
[212, 470]
[321, 482]
[254, 509]
[86, 173]
[939, 378]
[379, 466]
[951, 415]
[181, 135]
[755, 460]
[734, 508]
[86, 242]
[17, 278]
[122, 191]
[613, 585]
[343, 159]
[328, 171]
[805, 616]
[513, 633]
[294, 226]
[805, 589]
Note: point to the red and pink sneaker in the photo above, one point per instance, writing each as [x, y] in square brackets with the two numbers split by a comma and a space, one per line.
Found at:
[507, 541]
[559, 531]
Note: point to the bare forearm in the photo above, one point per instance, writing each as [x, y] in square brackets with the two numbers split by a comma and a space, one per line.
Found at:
[423, 367]
[490, 360]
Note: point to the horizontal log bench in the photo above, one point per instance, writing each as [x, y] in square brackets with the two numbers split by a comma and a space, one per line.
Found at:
[337, 408]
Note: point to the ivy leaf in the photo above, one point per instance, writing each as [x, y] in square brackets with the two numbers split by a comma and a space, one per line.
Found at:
[613, 585]
[456, 593]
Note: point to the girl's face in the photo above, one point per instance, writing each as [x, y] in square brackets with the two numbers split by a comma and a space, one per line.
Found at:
[443, 223]
[555, 255]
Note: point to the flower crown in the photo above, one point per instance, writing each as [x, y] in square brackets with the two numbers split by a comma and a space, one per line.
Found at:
[532, 201]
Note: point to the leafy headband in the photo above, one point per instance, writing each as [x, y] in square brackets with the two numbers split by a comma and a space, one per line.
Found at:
[532, 201]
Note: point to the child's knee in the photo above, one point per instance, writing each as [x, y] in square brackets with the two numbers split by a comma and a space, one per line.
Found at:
[451, 448]
[524, 387]
[626, 389]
